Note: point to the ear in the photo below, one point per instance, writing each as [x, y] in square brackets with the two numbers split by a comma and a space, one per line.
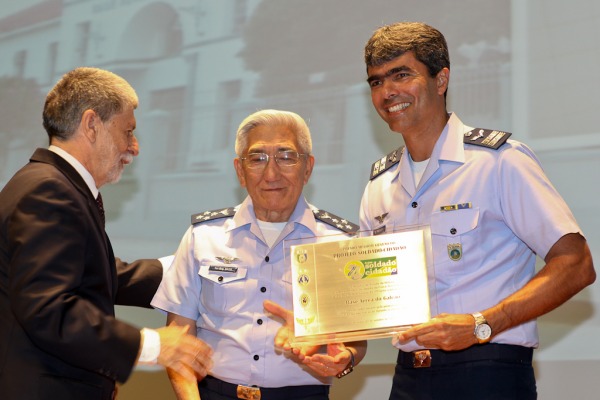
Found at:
[310, 163]
[442, 79]
[239, 170]
[89, 125]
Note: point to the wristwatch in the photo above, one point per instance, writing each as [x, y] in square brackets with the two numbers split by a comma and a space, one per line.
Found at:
[349, 367]
[483, 331]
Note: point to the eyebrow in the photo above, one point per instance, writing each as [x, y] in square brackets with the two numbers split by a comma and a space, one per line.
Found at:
[260, 149]
[388, 73]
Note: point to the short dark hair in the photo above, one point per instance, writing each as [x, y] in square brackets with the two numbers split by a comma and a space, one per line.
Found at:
[84, 89]
[391, 41]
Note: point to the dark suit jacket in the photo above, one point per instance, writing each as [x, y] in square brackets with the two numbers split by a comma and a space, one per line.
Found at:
[59, 281]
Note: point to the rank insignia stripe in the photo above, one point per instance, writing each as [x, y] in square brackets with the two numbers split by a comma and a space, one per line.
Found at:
[489, 138]
[337, 222]
[212, 215]
[385, 163]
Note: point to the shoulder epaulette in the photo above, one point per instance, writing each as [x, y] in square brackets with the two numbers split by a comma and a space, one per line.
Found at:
[385, 163]
[486, 138]
[214, 214]
[342, 224]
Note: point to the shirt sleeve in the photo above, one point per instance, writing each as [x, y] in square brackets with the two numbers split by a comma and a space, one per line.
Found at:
[151, 346]
[179, 290]
[532, 207]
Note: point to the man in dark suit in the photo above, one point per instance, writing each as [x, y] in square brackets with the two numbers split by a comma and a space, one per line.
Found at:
[59, 279]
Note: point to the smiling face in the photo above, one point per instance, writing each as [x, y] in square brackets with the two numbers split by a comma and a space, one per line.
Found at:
[407, 97]
[274, 190]
[116, 147]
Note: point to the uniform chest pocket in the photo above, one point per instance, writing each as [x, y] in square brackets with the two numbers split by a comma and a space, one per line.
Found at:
[454, 238]
[454, 223]
[224, 287]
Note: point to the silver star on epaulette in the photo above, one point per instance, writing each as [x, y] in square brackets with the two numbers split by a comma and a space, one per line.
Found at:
[334, 220]
[226, 260]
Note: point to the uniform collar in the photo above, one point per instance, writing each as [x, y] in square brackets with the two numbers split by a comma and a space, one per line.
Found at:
[448, 148]
[302, 215]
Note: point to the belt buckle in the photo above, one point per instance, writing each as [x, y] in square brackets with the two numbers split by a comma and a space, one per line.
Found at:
[248, 392]
[421, 359]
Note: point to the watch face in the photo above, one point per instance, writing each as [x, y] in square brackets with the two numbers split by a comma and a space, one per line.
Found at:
[483, 331]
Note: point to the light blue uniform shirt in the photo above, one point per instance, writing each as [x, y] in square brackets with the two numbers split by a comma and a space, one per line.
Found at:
[515, 213]
[228, 306]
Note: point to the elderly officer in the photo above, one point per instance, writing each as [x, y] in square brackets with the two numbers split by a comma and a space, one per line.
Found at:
[231, 260]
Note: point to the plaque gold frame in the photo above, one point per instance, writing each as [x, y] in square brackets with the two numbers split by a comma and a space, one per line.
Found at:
[361, 288]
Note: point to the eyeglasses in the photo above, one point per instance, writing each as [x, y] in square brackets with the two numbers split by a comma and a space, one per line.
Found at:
[283, 158]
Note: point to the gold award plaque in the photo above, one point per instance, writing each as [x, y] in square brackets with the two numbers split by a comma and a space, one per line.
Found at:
[360, 288]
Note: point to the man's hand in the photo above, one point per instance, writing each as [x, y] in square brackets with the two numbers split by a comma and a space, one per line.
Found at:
[335, 361]
[285, 334]
[445, 332]
[185, 354]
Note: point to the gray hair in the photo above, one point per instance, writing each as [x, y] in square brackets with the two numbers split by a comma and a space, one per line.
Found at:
[271, 118]
[391, 41]
[84, 89]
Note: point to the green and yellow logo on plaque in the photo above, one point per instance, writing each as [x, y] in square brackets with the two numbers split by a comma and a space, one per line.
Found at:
[374, 268]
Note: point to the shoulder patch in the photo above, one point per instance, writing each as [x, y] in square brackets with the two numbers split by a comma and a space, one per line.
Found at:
[486, 138]
[385, 163]
[342, 224]
[214, 214]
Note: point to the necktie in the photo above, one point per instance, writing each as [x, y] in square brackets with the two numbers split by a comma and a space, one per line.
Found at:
[100, 205]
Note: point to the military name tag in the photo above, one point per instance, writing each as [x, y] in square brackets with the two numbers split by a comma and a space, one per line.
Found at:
[222, 268]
